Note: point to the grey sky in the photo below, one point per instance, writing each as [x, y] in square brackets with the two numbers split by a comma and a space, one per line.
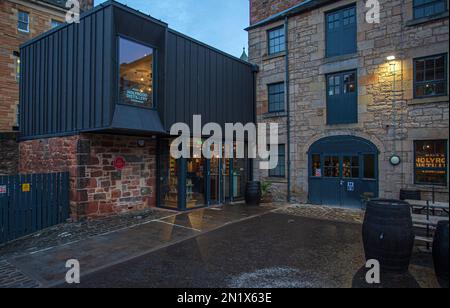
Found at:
[219, 23]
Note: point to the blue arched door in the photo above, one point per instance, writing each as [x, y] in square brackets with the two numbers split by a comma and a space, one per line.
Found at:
[342, 169]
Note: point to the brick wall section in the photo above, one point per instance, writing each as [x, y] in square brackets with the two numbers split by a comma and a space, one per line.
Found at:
[97, 188]
[10, 40]
[415, 119]
[9, 154]
[262, 9]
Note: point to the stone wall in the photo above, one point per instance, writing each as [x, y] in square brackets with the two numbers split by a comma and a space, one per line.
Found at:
[262, 9]
[380, 119]
[9, 154]
[97, 188]
[10, 40]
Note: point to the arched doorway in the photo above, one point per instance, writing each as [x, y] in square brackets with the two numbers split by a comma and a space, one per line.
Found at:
[342, 169]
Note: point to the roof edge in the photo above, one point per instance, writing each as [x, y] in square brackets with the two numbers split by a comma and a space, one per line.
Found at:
[294, 10]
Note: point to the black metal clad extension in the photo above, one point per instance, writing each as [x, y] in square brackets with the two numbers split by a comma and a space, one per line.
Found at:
[288, 108]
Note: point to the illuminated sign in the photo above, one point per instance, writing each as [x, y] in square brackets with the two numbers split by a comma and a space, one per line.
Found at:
[431, 161]
[137, 96]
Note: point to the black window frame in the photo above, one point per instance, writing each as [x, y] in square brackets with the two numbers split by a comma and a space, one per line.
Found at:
[154, 73]
[435, 81]
[417, 6]
[270, 40]
[280, 169]
[416, 182]
[27, 22]
[279, 93]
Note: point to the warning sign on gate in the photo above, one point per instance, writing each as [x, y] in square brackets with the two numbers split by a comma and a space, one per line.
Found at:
[3, 189]
[26, 187]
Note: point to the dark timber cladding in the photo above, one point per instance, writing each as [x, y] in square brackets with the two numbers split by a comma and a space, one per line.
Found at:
[70, 78]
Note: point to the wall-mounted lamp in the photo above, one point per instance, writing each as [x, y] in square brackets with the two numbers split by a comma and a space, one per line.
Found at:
[141, 143]
[391, 58]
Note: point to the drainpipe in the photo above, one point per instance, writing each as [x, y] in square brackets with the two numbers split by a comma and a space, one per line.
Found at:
[288, 108]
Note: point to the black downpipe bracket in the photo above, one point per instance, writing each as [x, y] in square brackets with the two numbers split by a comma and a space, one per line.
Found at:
[288, 108]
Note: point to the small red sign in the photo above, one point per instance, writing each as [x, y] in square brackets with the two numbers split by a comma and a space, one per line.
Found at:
[119, 163]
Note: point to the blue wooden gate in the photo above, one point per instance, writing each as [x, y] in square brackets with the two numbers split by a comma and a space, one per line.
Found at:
[32, 202]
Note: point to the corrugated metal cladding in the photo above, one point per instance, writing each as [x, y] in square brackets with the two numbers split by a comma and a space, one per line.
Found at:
[201, 80]
[66, 78]
[69, 76]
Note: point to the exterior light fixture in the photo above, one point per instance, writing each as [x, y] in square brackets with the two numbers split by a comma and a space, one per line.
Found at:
[391, 58]
[395, 160]
[141, 143]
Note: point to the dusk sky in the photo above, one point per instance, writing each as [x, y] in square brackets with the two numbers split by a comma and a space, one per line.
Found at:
[219, 23]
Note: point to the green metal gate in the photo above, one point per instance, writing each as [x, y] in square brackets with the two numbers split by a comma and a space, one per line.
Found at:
[32, 202]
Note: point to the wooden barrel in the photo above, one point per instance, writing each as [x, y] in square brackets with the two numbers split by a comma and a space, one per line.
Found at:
[440, 253]
[253, 193]
[388, 234]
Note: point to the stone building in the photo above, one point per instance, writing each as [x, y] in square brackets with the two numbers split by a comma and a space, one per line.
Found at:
[20, 20]
[362, 105]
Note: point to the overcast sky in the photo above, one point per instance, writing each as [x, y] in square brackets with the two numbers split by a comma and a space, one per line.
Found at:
[219, 23]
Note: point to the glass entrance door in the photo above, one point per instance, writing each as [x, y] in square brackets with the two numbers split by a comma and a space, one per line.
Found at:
[226, 179]
[214, 181]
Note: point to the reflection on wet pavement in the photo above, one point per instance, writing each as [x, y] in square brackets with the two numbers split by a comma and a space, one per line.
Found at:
[97, 252]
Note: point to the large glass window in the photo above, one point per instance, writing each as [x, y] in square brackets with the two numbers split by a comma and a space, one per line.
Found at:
[136, 73]
[276, 97]
[332, 167]
[169, 173]
[23, 21]
[431, 162]
[430, 76]
[316, 166]
[369, 166]
[276, 40]
[427, 8]
[341, 32]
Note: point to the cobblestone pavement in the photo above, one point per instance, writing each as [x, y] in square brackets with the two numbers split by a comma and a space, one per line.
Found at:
[11, 277]
[73, 232]
[324, 212]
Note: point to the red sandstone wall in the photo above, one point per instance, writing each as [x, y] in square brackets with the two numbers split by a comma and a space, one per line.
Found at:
[261, 9]
[97, 188]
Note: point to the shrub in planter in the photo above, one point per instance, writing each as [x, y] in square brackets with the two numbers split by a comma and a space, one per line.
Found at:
[266, 195]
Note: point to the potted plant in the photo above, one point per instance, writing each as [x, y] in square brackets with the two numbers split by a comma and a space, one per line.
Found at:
[266, 195]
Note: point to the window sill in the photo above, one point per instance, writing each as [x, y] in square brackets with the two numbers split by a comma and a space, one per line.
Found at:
[277, 180]
[429, 100]
[274, 56]
[340, 58]
[419, 21]
[281, 114]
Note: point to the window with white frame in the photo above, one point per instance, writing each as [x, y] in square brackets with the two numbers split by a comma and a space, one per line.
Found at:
[23, 24]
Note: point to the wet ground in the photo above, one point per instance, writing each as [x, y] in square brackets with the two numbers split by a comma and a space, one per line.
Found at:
[230, 246]
[272, 250]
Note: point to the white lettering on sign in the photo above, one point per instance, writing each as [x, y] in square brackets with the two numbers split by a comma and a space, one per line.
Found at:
[137, 96]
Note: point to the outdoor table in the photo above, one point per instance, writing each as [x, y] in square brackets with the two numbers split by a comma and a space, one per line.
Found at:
[428, 221]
